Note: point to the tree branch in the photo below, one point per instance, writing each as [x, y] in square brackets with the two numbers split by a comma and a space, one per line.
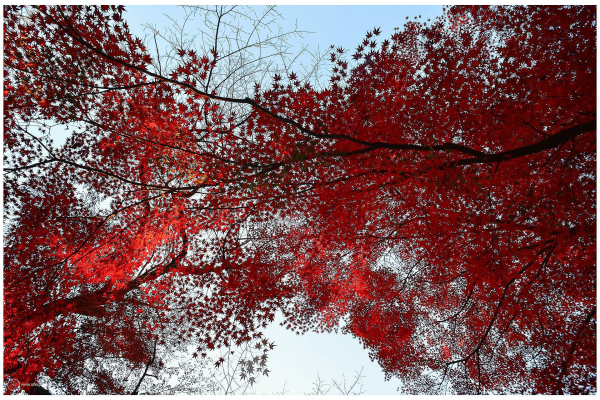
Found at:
[148, 364]
[478, 156]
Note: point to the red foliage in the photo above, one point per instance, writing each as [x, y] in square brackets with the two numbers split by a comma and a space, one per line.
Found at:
[438, 197]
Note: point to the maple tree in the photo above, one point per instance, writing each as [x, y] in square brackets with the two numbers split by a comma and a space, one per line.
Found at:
[437, 196]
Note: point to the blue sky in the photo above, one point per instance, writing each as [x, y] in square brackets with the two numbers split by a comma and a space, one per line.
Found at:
[338, 25]
[297, 359]
[344, 26]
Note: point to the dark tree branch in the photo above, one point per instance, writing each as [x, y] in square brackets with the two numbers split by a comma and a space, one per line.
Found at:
[478, 156]
[148, 364]
[565, 365]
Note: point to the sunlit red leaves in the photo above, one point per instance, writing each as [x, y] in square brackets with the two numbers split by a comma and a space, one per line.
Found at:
[212, 228]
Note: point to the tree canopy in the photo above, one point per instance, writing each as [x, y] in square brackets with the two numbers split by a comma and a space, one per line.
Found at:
[436, 198]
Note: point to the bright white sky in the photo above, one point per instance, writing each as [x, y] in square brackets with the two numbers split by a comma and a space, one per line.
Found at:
[297, 359]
